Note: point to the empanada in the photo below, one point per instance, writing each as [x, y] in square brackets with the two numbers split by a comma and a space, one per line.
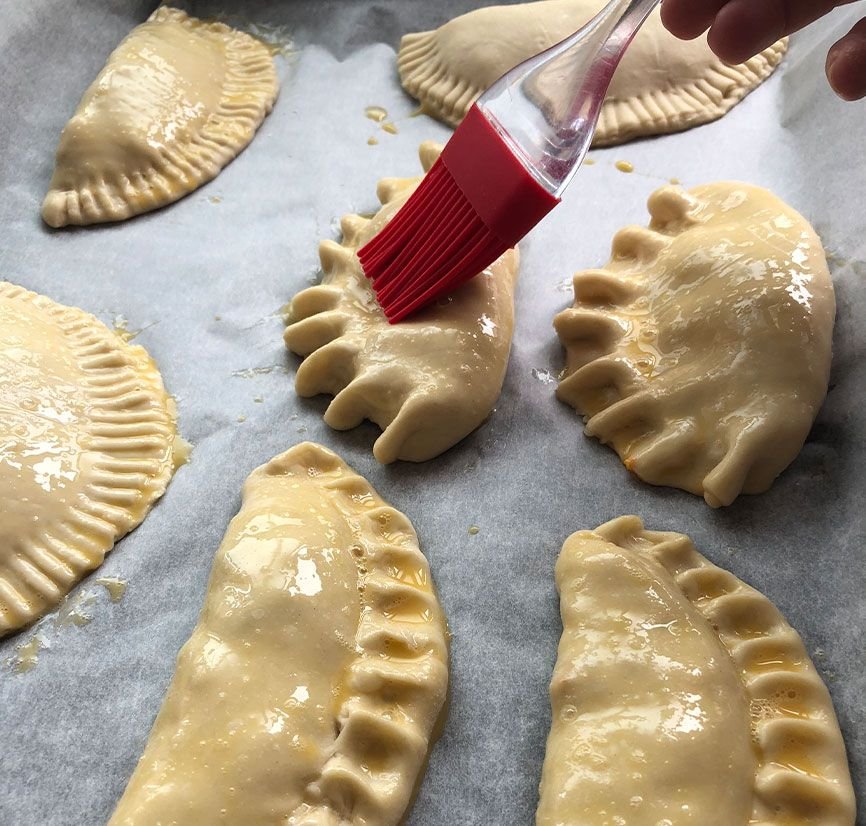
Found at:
[682, 696]
[429, 380]
[701, 352]
[177, 100]
[662, 84]
[86, 448]
[310, 691]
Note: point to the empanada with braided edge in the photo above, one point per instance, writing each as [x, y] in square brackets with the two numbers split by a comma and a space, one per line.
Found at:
[310, 691]
[682, 696]
[428, 381]
[701, 351]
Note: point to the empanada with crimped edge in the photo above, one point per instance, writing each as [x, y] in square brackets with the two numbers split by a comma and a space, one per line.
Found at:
[177, 100]
[701, 351]
[663, 84]
[682, 696]
[429, 380]
[87, 446]
[309, 693]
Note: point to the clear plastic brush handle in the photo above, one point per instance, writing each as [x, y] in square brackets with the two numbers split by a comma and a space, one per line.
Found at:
[547, 107]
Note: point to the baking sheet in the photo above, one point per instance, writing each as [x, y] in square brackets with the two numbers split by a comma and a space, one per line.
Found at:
[203, 280]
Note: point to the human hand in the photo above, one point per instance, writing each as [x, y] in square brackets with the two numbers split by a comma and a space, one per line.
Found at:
[740, 29]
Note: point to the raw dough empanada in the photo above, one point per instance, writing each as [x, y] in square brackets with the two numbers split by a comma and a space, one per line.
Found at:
[701, 352]
[682, 696]
[427, 381]
[87, 447]
[177, 100]
[309, 692]
[662, 84]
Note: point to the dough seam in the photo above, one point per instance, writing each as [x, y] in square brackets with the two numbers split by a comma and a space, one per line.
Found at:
[132, 431]
[755, 634]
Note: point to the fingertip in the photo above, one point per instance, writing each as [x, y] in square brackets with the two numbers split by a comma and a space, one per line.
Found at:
[744, 28]
[674, 21]
[846, 64]
[728, 50]
[688, 19]
[846, 86]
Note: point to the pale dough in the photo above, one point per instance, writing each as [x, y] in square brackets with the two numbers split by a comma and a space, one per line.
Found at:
[87, 447]
[429, 380]
[701, 352]
[310, 691]
[663, 84]
[177, 100]
[682, 696]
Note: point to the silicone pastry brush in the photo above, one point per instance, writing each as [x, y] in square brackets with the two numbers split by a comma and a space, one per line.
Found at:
[504, 168]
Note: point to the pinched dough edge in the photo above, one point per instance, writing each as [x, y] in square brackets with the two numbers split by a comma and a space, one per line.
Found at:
[249, 91]
[132, 437]
[788, 701]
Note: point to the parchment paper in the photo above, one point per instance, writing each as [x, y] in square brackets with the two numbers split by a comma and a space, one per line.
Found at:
[204, 280]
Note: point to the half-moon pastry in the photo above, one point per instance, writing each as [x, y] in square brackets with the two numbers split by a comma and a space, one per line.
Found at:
[701, 352]
[309, 692]
[86, 448]
[663, 84]
[682, 696]
[177, 100]
[429, 380]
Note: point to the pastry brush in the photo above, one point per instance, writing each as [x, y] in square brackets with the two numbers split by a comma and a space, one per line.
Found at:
[504, 168]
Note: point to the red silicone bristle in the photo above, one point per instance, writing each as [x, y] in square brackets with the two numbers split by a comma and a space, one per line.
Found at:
[438, 243]
[476, 202]
[413, 219]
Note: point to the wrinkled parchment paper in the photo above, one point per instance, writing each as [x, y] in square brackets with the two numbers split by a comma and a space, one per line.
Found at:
[204, 280]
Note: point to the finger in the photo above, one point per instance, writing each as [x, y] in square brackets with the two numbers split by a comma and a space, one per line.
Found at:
[846, 64]
[689, 19]
[743, 28]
